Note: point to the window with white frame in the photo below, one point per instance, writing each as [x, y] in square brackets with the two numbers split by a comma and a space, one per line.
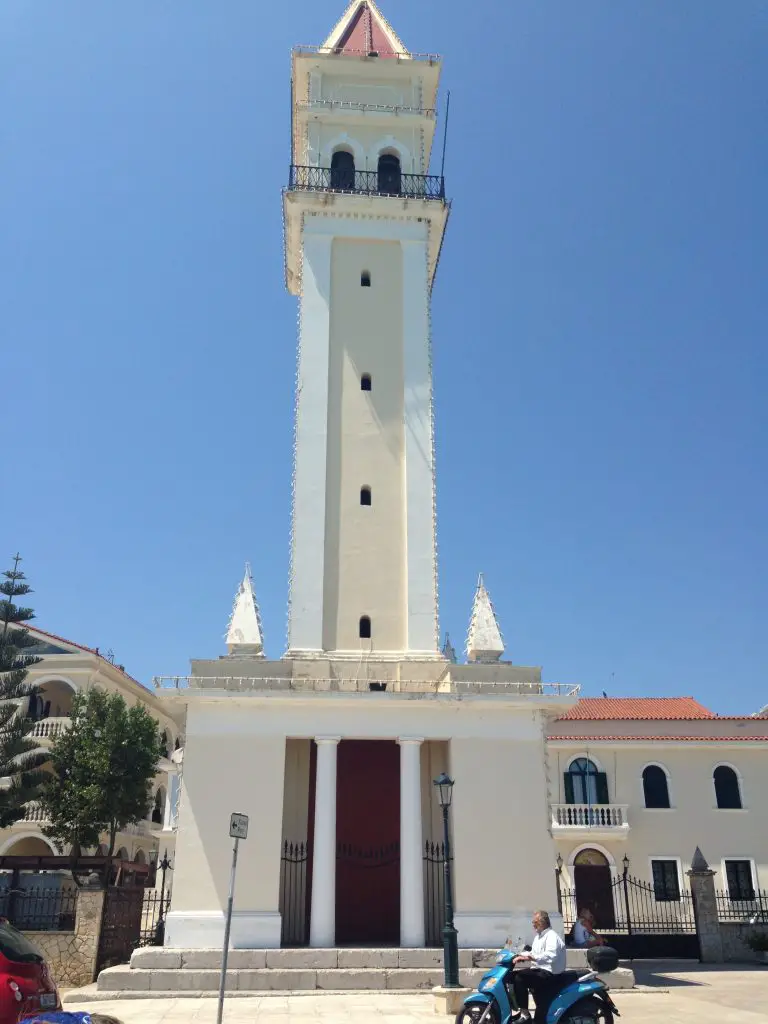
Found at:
[738, 878]
[666, 880]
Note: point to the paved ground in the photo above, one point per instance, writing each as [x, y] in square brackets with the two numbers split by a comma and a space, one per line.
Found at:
[671, 994]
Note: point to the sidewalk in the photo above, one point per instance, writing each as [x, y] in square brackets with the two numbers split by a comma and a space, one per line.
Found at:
[674, 993]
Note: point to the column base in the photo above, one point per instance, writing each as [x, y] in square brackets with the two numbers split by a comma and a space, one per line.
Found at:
[449, 1001]
[491, 929]
[204, 929]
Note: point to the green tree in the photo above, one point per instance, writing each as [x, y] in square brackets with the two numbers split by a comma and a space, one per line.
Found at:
[103, 769]
[20, 758]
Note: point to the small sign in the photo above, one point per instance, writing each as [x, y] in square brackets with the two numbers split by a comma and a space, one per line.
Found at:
[238, 826]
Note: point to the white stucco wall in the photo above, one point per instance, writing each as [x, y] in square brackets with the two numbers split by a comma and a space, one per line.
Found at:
[693, 819]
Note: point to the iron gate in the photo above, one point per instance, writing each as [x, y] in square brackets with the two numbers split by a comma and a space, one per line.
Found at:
[132, 917]
[434, 893]
[648, 923]
[294, 894]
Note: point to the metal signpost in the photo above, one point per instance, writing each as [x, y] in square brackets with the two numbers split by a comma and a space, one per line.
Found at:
[238, 829]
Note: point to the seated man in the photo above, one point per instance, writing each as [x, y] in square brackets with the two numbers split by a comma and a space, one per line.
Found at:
[584, 936]
[535, 970]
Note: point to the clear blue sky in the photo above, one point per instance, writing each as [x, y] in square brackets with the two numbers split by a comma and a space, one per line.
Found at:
[600, 320]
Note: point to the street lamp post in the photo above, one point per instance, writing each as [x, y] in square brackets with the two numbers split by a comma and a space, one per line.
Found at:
[444, 786]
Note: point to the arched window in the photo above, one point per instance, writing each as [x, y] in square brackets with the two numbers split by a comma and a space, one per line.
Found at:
[389, 173]
[366, 384]
[584, 784]
[365, 627]
[365, 495]
[727, 789]
[655, 786]
[343, 170]
[159, 808]
[365, 279]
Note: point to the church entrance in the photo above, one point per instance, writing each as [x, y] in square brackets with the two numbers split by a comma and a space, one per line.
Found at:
[368, 843]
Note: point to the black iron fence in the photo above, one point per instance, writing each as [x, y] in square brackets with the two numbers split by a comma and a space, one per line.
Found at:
[38, 909]
[381, 183]
[434, 893]
[750, 910]
[639, 919]
[294, 894]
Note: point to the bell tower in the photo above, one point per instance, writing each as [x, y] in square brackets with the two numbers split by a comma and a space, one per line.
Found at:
[364, 224]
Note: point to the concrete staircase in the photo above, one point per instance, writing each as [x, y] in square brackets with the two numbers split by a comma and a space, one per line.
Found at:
[158, 973]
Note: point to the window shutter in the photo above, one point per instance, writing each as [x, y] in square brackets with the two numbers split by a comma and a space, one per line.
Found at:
[568, 784]
[602, 788]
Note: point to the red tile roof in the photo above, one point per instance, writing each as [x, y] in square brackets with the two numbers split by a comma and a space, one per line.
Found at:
[663, 739]
[600, 709]
[365, 34]
[88, 650]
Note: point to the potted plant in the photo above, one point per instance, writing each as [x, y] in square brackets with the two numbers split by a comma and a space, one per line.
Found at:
[758, 943]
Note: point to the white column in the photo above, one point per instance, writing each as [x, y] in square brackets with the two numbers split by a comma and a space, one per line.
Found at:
[411, 852]
[322, 922]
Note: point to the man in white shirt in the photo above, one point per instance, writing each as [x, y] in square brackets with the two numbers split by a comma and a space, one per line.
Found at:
[534, 971]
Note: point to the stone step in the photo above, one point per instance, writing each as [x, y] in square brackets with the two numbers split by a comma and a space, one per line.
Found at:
[126, 979]
[158, 958]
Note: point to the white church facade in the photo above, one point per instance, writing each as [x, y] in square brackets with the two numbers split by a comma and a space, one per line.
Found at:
[336, 744]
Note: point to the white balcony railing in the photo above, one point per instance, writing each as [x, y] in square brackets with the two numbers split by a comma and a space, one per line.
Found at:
[286, 684]
[34, 812]
[590, 817]
[50, 728]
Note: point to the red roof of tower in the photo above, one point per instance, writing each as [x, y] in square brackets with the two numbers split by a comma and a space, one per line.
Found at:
[366, 33]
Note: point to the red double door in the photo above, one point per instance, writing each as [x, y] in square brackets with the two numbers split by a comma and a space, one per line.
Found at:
[368, 843]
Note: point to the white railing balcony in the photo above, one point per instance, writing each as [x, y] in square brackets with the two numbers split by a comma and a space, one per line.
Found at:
[33, 812]
[590, 819]
[50, 728]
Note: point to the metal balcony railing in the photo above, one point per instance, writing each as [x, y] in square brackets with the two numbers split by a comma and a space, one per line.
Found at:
[369, 183]
[586, 816]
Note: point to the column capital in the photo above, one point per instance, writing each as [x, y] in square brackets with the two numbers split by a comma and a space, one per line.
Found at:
[410, 739]
[327, 739]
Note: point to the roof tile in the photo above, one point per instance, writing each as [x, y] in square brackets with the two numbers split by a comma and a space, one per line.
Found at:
[600, 709]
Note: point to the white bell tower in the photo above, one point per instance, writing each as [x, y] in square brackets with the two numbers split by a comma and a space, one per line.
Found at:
[364, 224]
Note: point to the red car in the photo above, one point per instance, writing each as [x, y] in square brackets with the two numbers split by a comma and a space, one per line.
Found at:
[26, 985]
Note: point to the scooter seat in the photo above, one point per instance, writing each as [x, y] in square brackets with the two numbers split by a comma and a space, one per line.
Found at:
[569, 978]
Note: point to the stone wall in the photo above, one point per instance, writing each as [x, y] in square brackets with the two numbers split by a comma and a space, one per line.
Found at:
[71, 956]
[734, 937]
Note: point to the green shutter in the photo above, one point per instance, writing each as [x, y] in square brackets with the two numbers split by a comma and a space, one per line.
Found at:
[568, 784]
[602, 788]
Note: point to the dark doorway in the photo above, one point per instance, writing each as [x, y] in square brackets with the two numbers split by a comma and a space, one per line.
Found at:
[343, 171]
[389, 173]
[594, 887]
[368, 843]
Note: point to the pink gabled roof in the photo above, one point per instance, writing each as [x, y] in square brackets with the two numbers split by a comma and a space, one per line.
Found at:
[364, 31]
[601, 709]
[88, 650]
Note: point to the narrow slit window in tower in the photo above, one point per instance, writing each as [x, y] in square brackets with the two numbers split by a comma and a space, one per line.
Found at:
[365, 279]
[365, 627]
[365, 495]
[365, 382]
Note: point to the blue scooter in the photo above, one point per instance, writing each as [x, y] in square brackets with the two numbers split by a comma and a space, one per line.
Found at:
[581, 999]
